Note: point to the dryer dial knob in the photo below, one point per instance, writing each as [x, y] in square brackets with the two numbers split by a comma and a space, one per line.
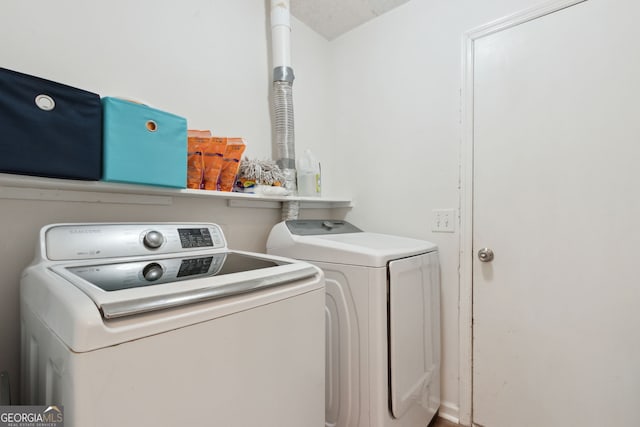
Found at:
[153, 239]
[152, 272]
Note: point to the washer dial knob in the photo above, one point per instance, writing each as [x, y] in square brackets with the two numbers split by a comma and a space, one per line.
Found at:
[152, 272]
[153, 239]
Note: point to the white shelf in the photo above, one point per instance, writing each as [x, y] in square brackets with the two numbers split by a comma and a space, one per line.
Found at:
[37, 188]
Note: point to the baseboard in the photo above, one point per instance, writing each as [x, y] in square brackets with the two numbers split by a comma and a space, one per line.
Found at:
[449, 411]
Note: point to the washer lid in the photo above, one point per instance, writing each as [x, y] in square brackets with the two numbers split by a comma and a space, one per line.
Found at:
[349, 247]
[128, 287]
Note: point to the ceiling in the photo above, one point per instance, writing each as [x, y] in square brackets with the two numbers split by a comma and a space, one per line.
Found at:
[332, 18]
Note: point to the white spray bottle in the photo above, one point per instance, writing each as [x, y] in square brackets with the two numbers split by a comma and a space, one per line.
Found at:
[309, 179]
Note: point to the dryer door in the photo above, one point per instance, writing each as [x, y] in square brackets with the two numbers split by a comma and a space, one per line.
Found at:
[413, 325]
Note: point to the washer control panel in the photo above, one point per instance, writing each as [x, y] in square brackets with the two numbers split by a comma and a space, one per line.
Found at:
[88, 241]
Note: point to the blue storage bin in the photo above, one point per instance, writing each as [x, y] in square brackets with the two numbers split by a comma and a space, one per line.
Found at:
[143, 145]
[48, 128]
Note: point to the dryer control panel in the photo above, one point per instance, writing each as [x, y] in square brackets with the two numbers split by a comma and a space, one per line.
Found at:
[313, 227]
[95, 241]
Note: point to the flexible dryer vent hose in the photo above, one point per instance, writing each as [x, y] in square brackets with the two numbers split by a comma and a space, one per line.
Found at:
[285, 140]
[284, 132]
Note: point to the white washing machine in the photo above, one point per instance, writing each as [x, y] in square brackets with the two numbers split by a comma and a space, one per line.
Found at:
[382, 321]
[161, 324]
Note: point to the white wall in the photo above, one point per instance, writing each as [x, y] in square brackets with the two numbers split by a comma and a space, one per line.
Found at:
[175, 57]
[396, 83]
[207, 60]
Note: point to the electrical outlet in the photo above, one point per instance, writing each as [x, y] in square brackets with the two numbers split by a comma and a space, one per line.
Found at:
[444, 220]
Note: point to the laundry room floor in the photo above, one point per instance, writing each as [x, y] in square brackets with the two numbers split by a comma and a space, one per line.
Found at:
[441, 422]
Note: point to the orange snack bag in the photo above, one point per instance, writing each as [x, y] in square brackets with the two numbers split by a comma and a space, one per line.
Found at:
[197, 141]
[213, 159]
[231, 163]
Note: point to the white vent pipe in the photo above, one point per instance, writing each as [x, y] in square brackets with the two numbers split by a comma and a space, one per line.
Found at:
[280, 33]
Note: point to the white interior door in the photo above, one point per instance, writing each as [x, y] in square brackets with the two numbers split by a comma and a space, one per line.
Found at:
[556, 196]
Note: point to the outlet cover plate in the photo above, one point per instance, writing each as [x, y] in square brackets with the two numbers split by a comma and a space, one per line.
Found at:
[444, 221]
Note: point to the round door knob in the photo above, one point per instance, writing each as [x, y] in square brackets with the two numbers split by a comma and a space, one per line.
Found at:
[485, 255]
[152, 272]
[153, 239]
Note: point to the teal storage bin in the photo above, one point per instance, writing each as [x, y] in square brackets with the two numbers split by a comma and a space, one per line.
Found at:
[143, 145]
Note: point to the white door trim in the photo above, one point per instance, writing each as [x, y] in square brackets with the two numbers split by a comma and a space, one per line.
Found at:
[465, 320]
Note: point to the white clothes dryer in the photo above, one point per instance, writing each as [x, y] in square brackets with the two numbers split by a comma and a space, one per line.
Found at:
[382, 321]
[138, 324]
